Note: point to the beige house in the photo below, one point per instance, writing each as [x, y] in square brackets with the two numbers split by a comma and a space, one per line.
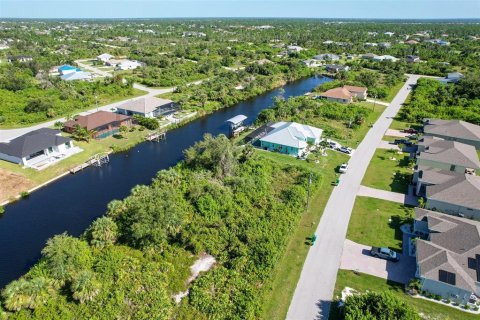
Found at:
[344, 94]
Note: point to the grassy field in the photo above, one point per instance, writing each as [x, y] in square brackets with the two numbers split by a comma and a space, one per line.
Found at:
[393, 92]
[377, 222]
[386, 174]
[286, 274]
[364, 282]
[89, 149]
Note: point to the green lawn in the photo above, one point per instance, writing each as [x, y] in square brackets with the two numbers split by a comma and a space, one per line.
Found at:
[377, 222]
[285, 276]
[386, 174]
[364, 282]
[393, 92]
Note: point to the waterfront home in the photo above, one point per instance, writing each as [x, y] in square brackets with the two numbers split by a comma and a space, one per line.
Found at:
[344, 94]
[38, 148]
[312, 63]
[459, 196]
[447, 155]
[101, 123]
[77, 76]
[66, 69]
[456, 130]
[149, 107]
[335, 68]
[412, 59]
[447, 255]
[290, 138]
[104, 57]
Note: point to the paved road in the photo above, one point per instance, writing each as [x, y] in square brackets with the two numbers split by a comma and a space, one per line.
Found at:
[357, 257]
[314, 290]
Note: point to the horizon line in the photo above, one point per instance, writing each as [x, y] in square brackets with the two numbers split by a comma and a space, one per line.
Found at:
[246, 17]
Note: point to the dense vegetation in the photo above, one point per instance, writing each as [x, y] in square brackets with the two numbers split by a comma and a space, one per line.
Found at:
[222, 200]
[378, 305]
[27, 99]
[433, 99]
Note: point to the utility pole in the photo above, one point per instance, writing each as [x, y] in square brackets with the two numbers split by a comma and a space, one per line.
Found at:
[96, 100]
[308, 192]
[374, 102]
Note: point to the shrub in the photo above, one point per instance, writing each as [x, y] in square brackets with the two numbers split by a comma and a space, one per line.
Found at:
[24, 194]
[149, 123]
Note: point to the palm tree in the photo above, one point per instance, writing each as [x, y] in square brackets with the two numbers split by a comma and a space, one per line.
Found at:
[103, 232]
[22, 293]
[85, 287]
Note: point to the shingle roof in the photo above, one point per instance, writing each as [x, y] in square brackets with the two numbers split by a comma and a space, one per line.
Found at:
[32, 142]
[463, 190]
[449, 248]
[337, 93]
[95, 120]
[450, 152]
[452, 128]
[292, 134]
[355, 88]
[435, 176]
[144, 105]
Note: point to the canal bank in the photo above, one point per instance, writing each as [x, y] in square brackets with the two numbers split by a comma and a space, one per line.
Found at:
[73, 202]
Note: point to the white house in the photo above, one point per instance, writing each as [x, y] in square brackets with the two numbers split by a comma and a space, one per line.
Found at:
[128, 65]
[149, 107]
[104, 57]
[38, 148]
[73, 76]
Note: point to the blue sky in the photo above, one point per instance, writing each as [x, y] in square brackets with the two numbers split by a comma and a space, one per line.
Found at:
[413, 9]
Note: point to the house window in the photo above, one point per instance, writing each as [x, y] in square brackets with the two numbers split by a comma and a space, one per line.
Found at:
[50, 149]
[452, 167]
[67, 145]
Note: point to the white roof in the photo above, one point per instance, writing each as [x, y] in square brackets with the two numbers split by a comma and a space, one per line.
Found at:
[237, 119]
[105, 56]
[292, 134]
[80, 75]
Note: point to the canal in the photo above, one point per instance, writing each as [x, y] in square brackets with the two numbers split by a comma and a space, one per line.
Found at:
[70, 204]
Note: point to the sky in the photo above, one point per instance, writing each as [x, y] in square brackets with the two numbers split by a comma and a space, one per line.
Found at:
[370, 9]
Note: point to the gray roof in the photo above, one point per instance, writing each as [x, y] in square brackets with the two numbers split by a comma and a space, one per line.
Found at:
[80, 75]
[434, 176]
[327, 56]
[32, 142]
[450, 152]
[453, 241]
[452, 128]
[292, 134]
[145, 105]
[463, 190]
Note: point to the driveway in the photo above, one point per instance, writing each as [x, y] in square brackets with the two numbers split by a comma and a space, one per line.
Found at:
[314, 291]
[388, 145]
[407, 199]
[396, 133]
[357, 257]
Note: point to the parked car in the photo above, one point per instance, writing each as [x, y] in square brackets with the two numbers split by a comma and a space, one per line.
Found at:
[334, 145]
[412, 137]
[343, 168]
[403, 141]
[384, 253]
[346, 150]
[410, 130]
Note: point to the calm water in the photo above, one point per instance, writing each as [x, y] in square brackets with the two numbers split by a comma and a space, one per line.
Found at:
[73, 202]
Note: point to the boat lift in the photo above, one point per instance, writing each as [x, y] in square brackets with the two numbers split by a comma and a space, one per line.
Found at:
[236, 124]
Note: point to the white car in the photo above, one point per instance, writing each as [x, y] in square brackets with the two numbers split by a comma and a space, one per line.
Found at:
[343, 168]
[346, 150]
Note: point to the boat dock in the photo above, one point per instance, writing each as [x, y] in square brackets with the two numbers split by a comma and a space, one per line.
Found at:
[156, 136]
[97, 160]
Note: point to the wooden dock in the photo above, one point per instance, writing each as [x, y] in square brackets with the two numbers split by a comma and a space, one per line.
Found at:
[97, 160]
[156, 136]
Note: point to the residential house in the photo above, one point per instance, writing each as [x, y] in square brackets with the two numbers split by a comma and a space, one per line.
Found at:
[456, 130]
[428, 176]
[335, 68]
[447, 155]
[454, 76]
[447, 255]
[128, 65]
[327, 57]
[385, 58]
[369, 56]
[74, 76]
[66, 69]
[11, 59]
[293, 48]
[385, 44]
[389, 33]
[104, 57]
[412, 59]
[290, 138]
[459, 196]
[101, 123]
[312, 63]
[38, 148]
[149, 107]
[411, 42]
[344, 94]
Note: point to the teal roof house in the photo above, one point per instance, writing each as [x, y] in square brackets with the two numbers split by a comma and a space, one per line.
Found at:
[290, 138]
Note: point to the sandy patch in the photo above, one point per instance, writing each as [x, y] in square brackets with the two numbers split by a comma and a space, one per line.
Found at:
[12, 184]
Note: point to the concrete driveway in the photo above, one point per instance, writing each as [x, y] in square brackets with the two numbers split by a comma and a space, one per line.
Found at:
[408, 199]
[396, 133]
[357, 257]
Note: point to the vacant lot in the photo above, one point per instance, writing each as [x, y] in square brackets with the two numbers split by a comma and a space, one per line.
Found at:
[388, 170]
[12, 184]
[377, 222]
[364, 282]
